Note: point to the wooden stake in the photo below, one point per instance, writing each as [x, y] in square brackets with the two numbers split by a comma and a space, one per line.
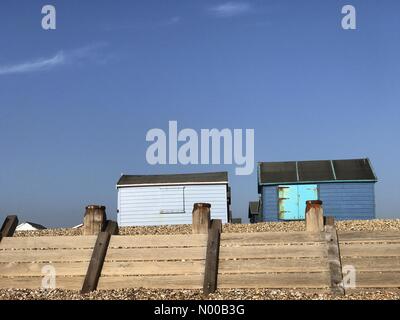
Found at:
[98, 256]
[9, 225]
[334, 260]
[212, 257]
[111, 227]
[201, 218]
[94, 220]
[329, 221]
[314, 216]
[96, 262]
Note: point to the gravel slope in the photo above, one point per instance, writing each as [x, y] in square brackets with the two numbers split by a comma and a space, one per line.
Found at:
[350, 225]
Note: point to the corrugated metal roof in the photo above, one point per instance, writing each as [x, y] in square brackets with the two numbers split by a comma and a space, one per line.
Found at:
[294, 172]
[191, 178]
[315, 171]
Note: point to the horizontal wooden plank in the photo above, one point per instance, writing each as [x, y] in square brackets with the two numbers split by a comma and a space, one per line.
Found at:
[48, 242]
[263, 280]
[369, 236]
[373, 250]
[262, 238]
[153, 241]
[35, 269]
[273, 265]
[152, 268]
[45, 255]
[377, 280]
[295, 251]
[154, 254]
[162, 282]
[70, 283]
[274, 280]
[373, 263]
[169, 267]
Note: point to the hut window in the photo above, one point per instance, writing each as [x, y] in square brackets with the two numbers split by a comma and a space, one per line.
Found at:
[172, 200]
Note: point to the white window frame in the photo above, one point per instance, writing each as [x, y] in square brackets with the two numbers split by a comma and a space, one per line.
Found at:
[177, 210]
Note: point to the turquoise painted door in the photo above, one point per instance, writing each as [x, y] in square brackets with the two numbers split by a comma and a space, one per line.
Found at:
[306, 192]
[292, 200]
[288, 203]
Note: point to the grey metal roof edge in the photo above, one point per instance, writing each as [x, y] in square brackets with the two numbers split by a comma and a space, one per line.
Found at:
[321, 181]
[312, 160]
[225, 179]
[172, 184]
[259, 177]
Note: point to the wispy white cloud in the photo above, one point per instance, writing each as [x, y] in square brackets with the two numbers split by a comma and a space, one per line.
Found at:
[32, 66]
[231, 9]
[173, 20]
[60, 58]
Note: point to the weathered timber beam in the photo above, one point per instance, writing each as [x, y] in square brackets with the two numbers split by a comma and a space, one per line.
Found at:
[111, 227]
[334, 259]
[212, 257]
[98, 256]
[9, 225]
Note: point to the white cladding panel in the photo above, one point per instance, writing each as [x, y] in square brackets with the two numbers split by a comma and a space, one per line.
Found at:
[167, 205]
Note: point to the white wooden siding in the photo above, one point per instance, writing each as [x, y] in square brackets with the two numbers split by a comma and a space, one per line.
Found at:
[147, 206]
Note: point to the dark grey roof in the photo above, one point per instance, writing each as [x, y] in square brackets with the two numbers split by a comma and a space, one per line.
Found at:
[190, 178]
[272, 173]
[254, 207]
[36, 225]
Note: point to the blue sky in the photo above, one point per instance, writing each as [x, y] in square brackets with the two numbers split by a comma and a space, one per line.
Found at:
[76, 102]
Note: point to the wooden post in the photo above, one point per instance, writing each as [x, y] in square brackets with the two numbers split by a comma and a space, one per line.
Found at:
[334, 259]
[314, 216]
[201, 218]
[9, 225]
[329, 221]
[111, 227]
[99, 253]
[94, 220]
[212, 257]
[96, 262]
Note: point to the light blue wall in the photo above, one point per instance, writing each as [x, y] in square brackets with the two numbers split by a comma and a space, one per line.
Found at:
[270, 203]
[341, 200]
[348, 200]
